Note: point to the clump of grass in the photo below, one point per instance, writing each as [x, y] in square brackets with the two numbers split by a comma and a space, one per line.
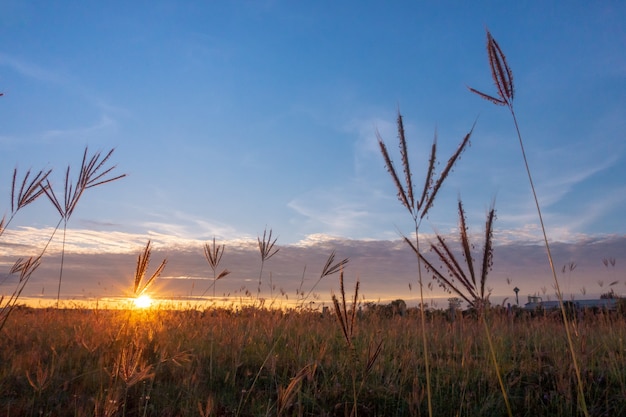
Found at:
[25, 268]
[267, 250]
[471, 284]
[140, 284]
[213, 254]
[467, 283]
[418, 206]
[92, 173]
[503, 79]
[347, 320]
[30, 189]
[330, 267]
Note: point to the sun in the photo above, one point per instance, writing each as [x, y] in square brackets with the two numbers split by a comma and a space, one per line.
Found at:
[143, 301]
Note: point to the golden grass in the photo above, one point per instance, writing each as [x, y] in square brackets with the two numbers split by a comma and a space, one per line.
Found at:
[159, 364]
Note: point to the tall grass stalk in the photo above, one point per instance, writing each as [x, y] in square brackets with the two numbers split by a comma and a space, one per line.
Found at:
[267, 250]
[471, 284]
[418, 207]
[503, 79]
[213, 254]
[30, 189]
[92, 173]
[347, 322]
[140, 283]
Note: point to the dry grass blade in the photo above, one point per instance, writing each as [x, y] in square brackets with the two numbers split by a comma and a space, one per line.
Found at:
[405, 161]
[354, 304]
[213, 254]
[285, 395]
[487, 250]
[465, 243]
[143, 260]
[340, 318]
[266, 245]
[428, 181]
[500, 71]
[346, 317]
[402, 196]
[372, 356]
[446, 171]
[447, 284]
[91, 177]
[446, 256]
[330, 268]
[29, 191]
[88, 177]
[222, 274]
[494, 100]
[501, 74]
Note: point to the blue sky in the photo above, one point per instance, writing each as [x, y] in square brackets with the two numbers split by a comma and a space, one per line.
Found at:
[229, 117]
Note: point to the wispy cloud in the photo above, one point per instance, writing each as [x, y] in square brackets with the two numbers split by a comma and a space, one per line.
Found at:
[582, 167]
[190, 227]
[31, 70]
[103, 124]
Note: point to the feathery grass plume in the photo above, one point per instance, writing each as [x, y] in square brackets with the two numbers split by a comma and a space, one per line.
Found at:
[285, 395]
[458, 279]
[25, 268]
[267, 250]
[347, 322]
[345, 317]
[420, 208]
[330, 268]
[92, 173]
[213, 254]
[464, 283]
[143, 260]
[503, 78]
[30, 189]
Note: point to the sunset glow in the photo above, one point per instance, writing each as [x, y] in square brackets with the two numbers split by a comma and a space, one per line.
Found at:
[143, 301]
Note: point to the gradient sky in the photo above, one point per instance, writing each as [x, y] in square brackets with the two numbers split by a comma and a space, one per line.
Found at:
[230, 117]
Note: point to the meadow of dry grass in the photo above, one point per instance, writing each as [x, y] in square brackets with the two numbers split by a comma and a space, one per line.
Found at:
[253, 362]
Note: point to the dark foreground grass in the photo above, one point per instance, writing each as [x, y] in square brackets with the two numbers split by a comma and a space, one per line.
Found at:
[255, 362]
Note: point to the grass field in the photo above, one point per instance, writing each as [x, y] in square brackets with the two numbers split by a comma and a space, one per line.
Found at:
[252, 362]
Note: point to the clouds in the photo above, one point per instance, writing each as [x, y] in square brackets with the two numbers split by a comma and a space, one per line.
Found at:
[101, 264]
[30, 70]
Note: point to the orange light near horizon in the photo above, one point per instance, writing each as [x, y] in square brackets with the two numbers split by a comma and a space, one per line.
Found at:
[143, 301]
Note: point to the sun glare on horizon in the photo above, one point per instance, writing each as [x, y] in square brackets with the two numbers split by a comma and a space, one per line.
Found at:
[143, 301]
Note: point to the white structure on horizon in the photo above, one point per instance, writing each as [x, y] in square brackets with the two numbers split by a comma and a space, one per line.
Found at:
[535, 302]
